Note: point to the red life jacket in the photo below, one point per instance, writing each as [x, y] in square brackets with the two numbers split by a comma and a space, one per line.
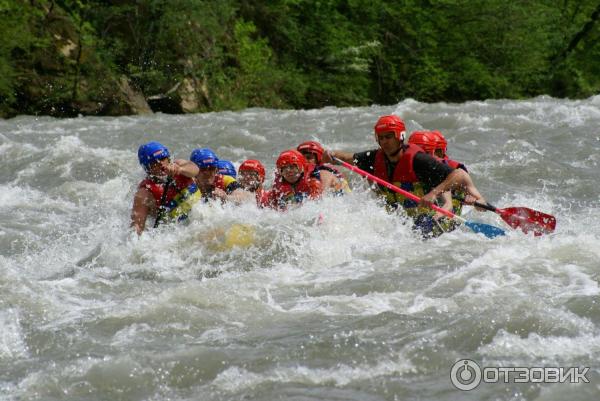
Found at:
[262, 197]
[180, 197]
[219, 182]
[404, 171]
[308, 186]
[180, 182]
[404, 177]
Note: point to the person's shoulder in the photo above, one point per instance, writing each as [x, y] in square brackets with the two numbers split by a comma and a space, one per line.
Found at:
[424, 163]
[426, 157]
[329, 178]
[423, 156]
[325, 172]
[143, 190]
[145, 185]
[328, 167]
[144, 196]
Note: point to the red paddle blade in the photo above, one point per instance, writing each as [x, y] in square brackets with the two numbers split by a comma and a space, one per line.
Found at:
[528, 220]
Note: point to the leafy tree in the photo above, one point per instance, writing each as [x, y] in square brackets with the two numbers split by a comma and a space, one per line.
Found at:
[64, 56]
[17, 44]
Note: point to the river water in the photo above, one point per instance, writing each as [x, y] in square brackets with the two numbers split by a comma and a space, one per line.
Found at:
[353, 308]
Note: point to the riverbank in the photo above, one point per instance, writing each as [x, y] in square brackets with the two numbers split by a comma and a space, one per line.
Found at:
[69, 58]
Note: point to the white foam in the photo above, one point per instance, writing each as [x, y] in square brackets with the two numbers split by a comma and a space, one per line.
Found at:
[71, 198]
[236, 379]
[12, 340]
[12, 196]
[536, 347]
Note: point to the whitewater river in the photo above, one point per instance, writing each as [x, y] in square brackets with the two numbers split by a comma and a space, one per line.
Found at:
[354, 308]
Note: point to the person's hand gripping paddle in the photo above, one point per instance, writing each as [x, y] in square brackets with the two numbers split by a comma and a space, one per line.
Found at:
[485, 229]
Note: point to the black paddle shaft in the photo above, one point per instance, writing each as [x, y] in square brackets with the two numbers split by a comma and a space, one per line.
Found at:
[163, 199]
[485, 206]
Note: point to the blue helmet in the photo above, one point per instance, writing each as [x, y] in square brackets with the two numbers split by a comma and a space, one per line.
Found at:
[151, 152]
[226, 168]
[204, 158]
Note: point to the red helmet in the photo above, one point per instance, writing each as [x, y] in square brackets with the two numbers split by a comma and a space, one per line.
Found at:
[425, 139]
[291, 157]
[312, 147]
[441, 142]
[253, 165]
[390, 123]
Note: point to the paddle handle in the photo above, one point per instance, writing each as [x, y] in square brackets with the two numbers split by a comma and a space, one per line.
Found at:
[486, 206]
[396, 189]
[480, 205]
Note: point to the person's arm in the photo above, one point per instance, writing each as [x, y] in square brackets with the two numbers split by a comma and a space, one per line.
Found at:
[441, 177]
[329, 181]
[182, 167]
[240, 195]
[345, 156]
[316, 188]
[143, 205]
[231, 186]
[218, 193]
[446, 197]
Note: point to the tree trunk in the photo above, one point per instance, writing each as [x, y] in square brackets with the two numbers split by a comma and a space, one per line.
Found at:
[578, 37]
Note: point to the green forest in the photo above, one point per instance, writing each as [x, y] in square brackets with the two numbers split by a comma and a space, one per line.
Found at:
[116, 57]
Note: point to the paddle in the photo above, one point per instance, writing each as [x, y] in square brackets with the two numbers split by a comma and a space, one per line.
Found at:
[162, 209]
[485, 229]
[524, 218]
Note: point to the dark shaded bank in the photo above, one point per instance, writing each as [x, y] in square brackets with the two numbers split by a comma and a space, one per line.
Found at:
[115, 57]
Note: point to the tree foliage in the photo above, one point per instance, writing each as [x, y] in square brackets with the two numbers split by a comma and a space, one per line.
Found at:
[65, 57]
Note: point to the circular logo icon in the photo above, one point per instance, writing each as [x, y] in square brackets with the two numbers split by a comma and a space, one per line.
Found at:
[465, 374]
